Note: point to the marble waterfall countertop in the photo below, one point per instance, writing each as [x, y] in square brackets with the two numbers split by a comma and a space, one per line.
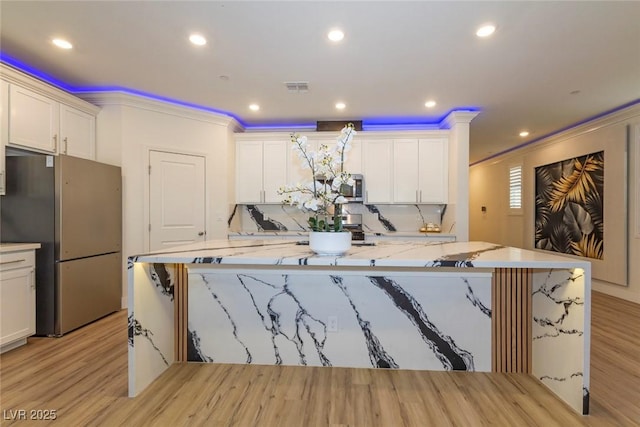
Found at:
[270, 301]
[383, 254]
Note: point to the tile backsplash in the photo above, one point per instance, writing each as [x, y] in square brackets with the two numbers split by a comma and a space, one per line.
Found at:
[375, 218]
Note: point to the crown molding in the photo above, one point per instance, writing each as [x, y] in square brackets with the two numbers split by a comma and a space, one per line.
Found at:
[621, 115]
[119, 98]
[361, 135]
[17, 77]
[458, 117]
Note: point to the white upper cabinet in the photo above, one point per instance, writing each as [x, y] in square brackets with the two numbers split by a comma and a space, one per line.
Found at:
[77, 133]
[433, 171]
[249, 172]
[33, 120]
[261, 169]
[420, 170]
[405, 171]
[274, 172]
[39, 117]
[298, 173]
[396, 169]
[378, 166]
[353, 157]
[353, 162]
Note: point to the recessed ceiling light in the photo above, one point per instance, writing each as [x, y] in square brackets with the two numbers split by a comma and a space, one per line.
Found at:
[340, 105]
[62, 44]
[335, 35]
[254, 107]
[197, 39]
[486, 30]
[524, 133]
[430, 104]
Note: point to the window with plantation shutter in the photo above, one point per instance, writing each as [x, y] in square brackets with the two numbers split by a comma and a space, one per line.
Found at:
[515, 188]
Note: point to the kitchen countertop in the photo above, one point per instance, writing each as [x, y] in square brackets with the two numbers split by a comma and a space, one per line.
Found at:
[398, 234]
[261, 234]
[384, 254]
[395, 234]
[14, 247]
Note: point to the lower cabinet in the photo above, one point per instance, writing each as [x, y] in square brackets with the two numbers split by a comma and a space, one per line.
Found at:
[17, 298]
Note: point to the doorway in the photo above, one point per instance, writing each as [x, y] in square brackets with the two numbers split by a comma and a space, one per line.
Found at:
[176, 199]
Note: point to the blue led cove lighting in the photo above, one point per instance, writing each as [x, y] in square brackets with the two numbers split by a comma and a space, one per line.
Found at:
[376, 123]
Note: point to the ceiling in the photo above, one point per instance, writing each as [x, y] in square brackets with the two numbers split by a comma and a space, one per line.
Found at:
[549, 64]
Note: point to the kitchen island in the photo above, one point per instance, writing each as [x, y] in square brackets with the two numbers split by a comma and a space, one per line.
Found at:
[470, 306]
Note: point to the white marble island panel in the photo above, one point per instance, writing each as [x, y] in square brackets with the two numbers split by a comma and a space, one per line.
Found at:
[406, 305]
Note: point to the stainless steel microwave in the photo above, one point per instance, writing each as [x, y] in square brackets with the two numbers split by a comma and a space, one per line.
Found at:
[354, 193]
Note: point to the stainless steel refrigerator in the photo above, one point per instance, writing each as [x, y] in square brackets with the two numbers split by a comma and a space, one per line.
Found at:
[73, 207]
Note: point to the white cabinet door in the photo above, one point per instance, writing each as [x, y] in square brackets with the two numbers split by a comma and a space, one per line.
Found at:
[77, 133]
[378, 164]
[299, 174]
[353, 157]
[434, 170]
[405, 171]
[353, 162]
[17, 304]
[33, 120]
[4, 132]
[248, 172]
[274, 170]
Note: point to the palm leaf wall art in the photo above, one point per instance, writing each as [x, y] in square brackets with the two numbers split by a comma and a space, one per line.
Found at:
[569, 206]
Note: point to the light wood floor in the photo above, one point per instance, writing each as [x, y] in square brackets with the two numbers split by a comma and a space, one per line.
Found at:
[83, 377]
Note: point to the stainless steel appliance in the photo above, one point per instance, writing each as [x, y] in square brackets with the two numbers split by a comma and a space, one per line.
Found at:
[73, 207]
[353, 223]
[354, 193]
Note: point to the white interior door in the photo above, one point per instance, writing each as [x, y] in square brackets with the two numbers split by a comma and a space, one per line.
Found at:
[176, 199]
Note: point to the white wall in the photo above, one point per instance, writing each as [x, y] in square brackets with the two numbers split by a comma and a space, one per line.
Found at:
[128, 127]
[489, 187]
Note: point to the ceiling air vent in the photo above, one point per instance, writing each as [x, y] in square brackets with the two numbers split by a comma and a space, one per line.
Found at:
[297, 86]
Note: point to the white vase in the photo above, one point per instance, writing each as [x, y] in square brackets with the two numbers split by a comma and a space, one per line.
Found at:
[329, 243]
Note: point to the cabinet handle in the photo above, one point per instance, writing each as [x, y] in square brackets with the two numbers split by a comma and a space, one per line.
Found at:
[66, 144]
[417, 199]
[421, 195]
[12, 262]
[55, 143]
[201, 233]
[2, 181]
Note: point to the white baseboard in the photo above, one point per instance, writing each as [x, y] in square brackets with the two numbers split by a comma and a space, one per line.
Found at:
[617, 291]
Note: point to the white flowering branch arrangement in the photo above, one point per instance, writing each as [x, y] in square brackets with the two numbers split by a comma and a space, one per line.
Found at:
[323, 194]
